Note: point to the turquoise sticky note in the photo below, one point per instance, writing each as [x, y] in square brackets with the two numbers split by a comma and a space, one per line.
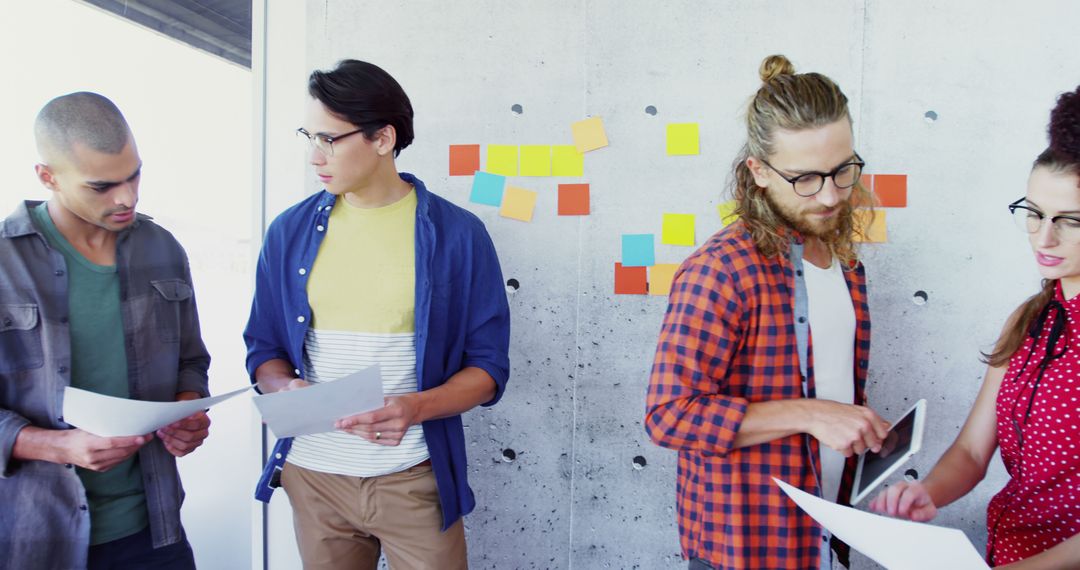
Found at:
[637, 250]
[487, 189]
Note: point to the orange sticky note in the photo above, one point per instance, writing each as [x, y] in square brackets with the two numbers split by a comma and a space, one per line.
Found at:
[573, 199]
[660, 277]
[631, 280]
[518, 203]
[859, 200]
[589, 134]
[464, 159]
[891, 190]
[876, 232]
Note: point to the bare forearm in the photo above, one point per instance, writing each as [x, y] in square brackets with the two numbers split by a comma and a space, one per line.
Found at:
[274, 375]
[766, 421]
[956, 473]
[38, 444]
[465, 390]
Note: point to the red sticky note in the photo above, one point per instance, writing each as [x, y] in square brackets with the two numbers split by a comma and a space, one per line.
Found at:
[573, 199]
[631, 280]
[464, 159]
[891, 190]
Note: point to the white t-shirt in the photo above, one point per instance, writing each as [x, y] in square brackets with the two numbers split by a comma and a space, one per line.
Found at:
[832, 338]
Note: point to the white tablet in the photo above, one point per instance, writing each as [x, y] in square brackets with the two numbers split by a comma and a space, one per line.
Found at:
[903, 441]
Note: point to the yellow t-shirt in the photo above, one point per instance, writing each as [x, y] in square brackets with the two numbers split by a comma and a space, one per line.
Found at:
[362, 291]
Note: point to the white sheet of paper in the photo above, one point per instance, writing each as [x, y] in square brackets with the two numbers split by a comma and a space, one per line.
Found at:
[315, 409]
[893, 543]
[107, 416]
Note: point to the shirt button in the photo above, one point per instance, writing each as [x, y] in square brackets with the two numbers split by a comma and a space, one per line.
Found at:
[82, 507]
[799, 272]
[277, 456]
[302, 271]
[69, 466]
[59, 272]
[802, 320]
[320, 227]
[62, 370]
[300, 319]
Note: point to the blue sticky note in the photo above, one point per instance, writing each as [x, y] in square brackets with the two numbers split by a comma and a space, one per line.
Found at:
[637, 250]
[487, 188]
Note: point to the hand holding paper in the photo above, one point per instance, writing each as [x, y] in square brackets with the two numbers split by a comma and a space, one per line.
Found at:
[107, 416]
[316, 408]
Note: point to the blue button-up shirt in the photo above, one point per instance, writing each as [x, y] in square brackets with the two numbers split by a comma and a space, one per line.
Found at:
[462, 317]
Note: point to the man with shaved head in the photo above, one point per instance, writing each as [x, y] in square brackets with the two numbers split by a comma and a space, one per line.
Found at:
[97, 297]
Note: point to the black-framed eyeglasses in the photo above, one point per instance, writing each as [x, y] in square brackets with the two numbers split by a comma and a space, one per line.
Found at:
[1030, 220]
[324, 143]
[809, 183]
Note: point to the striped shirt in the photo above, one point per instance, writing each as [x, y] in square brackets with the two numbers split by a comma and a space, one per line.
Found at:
[362, 296]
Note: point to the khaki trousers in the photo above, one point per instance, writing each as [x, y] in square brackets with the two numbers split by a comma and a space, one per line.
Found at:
[343, 522]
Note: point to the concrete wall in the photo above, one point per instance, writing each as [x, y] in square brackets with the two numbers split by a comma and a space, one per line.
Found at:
[573, 412]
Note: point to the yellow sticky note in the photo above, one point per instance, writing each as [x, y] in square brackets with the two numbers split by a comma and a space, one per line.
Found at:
[567, 161]
[682, 138]
[589, 134]
[727, 212]
[535, 160]
[660, 277]
[518, 203]
[678, 229]
[877, 231]
[502, 159]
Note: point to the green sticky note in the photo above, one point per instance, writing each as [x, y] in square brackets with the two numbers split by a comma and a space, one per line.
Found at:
[678, 229]
[535, 160]
[567, 161]
[682, 138]
[502, 159]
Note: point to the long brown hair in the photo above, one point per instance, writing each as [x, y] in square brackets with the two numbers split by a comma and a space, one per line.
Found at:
[791, 101]
[1063, 155]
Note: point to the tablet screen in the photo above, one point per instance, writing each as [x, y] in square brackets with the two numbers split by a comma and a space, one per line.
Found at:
[897, 444]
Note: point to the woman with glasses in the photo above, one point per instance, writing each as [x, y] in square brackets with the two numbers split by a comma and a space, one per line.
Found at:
[1029, 404]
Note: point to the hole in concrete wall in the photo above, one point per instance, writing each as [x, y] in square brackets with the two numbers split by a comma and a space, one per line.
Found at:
[651, 110]
[920, 298]
[930, 116]
[512, 285]
[640, 463]
[911, 475]
[509, 455]
[516, 109]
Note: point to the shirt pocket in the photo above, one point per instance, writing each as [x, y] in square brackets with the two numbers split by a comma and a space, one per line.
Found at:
[20, 338]
[171, 294]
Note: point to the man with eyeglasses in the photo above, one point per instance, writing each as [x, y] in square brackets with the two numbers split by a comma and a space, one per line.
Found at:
[377, 270]
[97, 297]
[761, 363]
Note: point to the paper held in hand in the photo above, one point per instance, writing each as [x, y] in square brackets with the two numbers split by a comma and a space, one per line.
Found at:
[107, 416]
[314, 409]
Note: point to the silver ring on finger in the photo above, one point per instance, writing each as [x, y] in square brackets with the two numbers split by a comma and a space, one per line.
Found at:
[378, 435]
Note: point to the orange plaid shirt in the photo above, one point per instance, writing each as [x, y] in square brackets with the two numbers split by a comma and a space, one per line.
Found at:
[728, 339]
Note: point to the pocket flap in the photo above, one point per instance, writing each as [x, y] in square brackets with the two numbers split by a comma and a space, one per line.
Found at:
[18, 317]
[172, 289]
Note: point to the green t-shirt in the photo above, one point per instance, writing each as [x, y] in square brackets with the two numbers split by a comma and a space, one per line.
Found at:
[99, 364]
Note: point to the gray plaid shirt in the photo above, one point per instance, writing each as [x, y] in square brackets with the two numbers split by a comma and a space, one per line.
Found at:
[44, 518]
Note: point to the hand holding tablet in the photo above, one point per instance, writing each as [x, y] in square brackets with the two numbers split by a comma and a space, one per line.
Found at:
[903, 441]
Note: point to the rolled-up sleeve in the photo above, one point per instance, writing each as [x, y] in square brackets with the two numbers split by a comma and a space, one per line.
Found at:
[10, 425]
[687, 404]
[487, 344]
[263, 334]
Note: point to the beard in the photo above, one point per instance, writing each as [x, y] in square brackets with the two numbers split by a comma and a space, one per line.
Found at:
[824, 230]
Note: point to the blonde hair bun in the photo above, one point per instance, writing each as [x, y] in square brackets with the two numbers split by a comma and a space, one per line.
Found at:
[774, 66]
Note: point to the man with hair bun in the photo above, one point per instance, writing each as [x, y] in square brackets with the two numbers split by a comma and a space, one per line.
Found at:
[97, 297]
[1026, 407]
[761, 363]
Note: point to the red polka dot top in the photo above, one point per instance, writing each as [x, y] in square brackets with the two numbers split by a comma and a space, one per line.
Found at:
[1038, 417]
